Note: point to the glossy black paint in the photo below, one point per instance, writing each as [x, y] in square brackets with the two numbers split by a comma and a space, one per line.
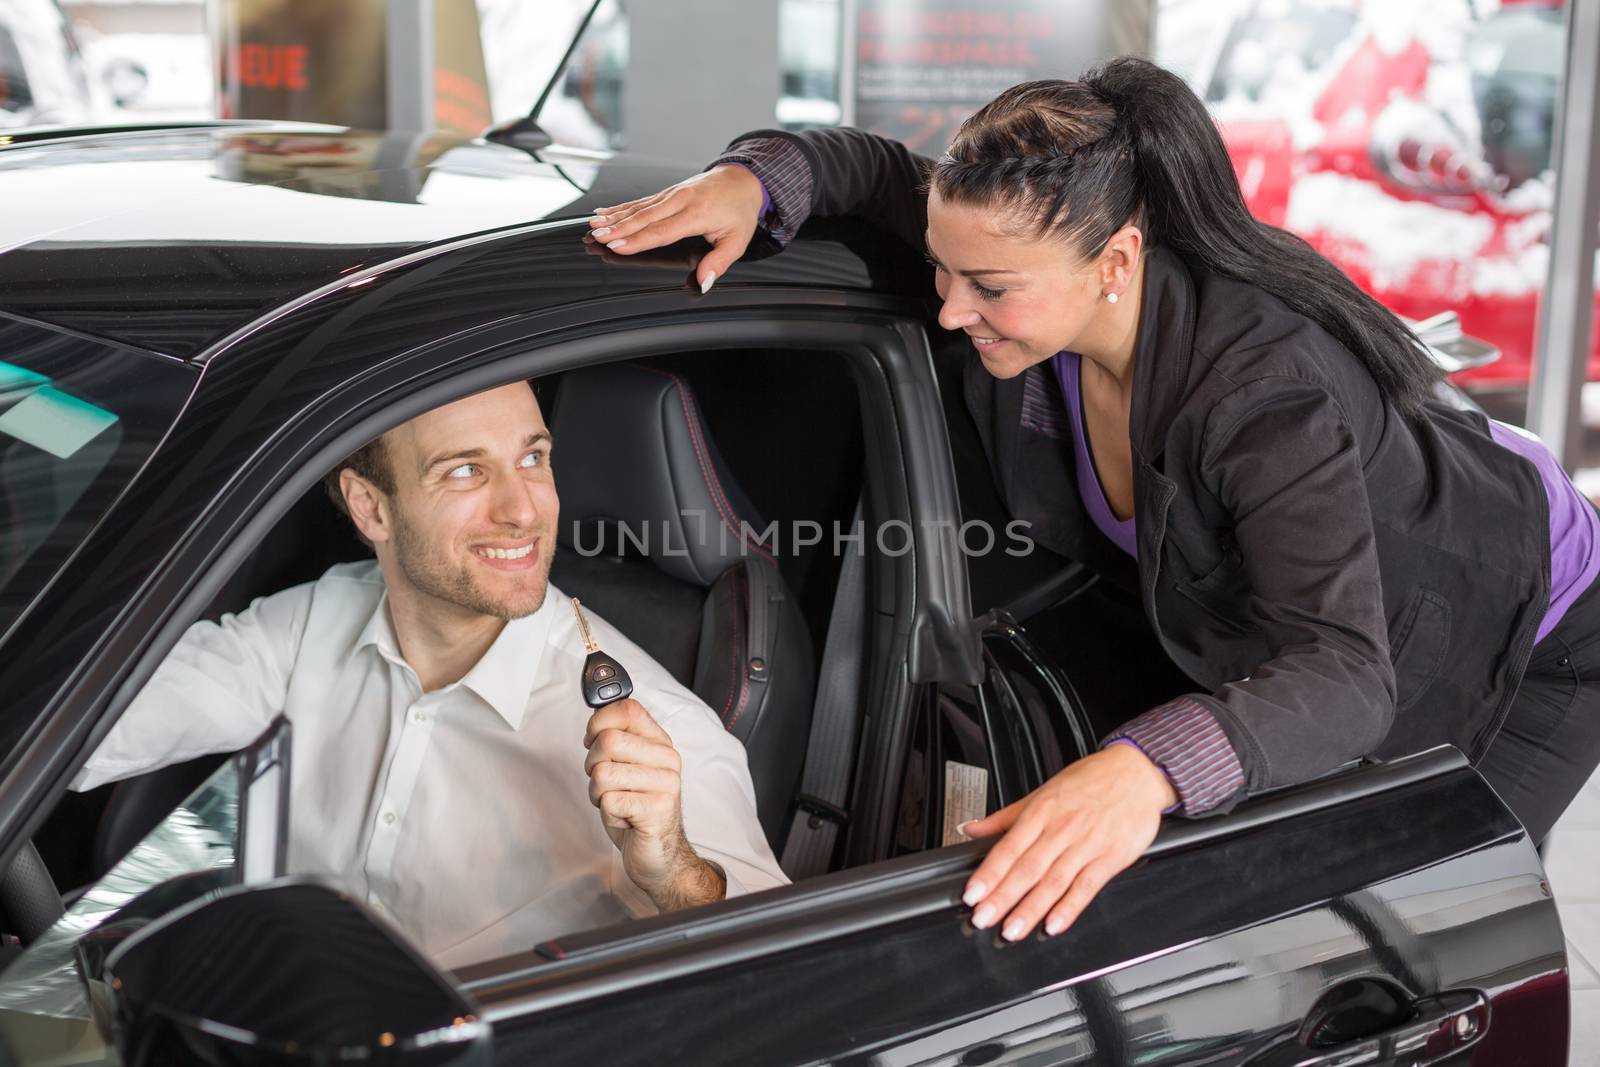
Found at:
[1207, 951]
[304, 334]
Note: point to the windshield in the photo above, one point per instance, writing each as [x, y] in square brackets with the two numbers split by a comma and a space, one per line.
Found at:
[77, 420]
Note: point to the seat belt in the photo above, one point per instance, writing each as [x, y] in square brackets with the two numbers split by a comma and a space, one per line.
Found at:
[825, 783]
[761, 598]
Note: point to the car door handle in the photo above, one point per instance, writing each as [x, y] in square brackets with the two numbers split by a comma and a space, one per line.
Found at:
[1440, 1026]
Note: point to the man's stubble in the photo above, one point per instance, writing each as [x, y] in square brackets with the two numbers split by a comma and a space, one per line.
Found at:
[435, 574]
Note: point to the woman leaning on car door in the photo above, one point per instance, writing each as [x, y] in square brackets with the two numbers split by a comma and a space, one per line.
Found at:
[1348, 566]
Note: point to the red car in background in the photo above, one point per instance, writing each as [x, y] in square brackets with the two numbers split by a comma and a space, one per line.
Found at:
[1409, 142]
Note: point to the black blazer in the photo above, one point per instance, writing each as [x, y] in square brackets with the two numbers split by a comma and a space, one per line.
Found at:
[1346, 582]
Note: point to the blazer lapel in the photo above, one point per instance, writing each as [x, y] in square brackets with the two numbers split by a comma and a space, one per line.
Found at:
[1163, 354]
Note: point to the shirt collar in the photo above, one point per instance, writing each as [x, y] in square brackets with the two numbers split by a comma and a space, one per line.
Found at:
[379, 631]
[504, 676]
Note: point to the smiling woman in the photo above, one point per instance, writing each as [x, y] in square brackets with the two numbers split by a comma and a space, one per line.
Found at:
[1346, 567]
[1016, 296]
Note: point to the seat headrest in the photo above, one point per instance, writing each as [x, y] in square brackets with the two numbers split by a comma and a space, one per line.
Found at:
[630, 448]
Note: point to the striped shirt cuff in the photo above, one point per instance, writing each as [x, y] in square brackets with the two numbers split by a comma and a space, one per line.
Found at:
[785, 176]
[1184, 739]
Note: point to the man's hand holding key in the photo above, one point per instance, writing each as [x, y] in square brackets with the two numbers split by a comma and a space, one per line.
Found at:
[634, 780]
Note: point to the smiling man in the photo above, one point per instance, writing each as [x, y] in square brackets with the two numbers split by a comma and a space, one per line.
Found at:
[445, 767]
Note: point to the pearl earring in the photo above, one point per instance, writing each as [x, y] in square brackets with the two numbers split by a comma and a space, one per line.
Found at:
[1111, 298]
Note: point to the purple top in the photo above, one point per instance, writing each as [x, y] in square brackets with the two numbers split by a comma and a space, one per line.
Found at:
[1574, 523]
[1121, 531]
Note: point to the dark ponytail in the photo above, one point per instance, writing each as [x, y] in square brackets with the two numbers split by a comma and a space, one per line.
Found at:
[1130, 142]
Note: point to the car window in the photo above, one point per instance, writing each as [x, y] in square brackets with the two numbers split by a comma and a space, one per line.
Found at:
[15, 94]
[77, 420]
[817, 489]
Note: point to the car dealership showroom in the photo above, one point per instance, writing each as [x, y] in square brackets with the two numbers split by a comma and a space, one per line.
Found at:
[877, 532]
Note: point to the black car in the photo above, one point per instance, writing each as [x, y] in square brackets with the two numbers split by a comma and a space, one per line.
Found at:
[200, 322]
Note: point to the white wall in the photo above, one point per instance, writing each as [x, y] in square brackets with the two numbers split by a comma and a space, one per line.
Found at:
[689, 91]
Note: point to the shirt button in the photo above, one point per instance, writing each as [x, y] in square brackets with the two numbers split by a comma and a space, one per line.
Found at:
[420, 715]
[388, 817]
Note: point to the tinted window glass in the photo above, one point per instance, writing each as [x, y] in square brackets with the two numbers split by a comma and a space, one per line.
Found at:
[77, 420]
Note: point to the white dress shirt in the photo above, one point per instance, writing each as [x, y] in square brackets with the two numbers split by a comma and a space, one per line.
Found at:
[462, 814]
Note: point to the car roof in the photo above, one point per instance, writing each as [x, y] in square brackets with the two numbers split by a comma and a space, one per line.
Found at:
[177, 240]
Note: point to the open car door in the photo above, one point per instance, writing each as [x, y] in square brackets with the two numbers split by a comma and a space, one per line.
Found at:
[1393, 914]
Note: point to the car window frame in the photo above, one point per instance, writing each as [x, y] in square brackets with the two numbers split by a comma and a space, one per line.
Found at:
[190, 566]
[220, 542]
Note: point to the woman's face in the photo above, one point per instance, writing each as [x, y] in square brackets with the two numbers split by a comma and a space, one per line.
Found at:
[1020, 299]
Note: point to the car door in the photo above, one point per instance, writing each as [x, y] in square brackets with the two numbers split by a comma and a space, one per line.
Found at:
[1400, 897]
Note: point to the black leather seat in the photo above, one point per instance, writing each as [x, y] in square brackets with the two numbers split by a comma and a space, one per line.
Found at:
[657, 537]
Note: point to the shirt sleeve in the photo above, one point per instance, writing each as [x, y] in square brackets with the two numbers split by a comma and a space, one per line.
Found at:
[719, 804]
[215, 692]
[1184, 739]
[785, 179]
[840, 171]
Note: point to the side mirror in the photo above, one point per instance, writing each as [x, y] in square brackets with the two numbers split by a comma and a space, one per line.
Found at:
[1450, 348]
[291, 972]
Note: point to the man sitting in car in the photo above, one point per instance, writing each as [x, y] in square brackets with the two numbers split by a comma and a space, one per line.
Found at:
[444, 762]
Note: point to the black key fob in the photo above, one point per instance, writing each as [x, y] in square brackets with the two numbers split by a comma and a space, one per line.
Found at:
[604, 680]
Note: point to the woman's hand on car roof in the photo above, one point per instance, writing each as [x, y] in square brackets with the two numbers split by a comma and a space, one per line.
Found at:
[1065, 840]
[722, 205]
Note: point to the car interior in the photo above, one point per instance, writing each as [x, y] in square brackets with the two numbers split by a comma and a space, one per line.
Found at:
[682, 479]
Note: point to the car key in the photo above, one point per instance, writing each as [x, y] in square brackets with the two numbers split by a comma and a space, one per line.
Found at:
[604, 680]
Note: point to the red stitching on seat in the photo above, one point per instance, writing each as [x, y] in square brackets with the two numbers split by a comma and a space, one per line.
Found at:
[733, 679]
[707, 472]
[744, 676]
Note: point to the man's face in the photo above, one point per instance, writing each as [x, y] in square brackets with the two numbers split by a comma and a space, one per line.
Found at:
[472, 520]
